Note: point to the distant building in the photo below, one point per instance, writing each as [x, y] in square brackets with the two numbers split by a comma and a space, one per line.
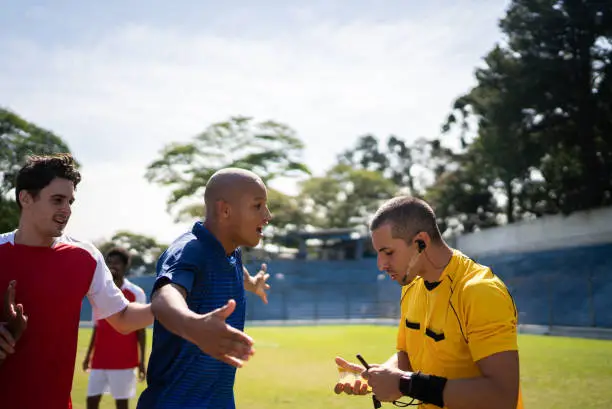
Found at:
[331, 244]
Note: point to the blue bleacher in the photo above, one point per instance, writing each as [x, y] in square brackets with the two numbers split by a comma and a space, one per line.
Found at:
[571, 286]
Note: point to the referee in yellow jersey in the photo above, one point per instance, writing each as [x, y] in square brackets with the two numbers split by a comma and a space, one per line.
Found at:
[457, 341]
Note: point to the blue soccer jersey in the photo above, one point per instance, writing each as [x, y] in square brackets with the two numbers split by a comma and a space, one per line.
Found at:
[180, 375]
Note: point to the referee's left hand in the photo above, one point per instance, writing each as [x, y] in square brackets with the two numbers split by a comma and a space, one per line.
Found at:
[355, 388]
[384, 382]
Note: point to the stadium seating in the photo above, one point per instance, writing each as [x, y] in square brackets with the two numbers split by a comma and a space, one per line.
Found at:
[568, 287]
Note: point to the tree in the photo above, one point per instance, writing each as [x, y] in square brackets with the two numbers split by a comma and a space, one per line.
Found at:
[462, 196]
[287, 211]
[145, 250]
[18, 139]
[506, 151]
[565, 47]
[542, 106]
[345, 197]
[270, 149]
[394, 160]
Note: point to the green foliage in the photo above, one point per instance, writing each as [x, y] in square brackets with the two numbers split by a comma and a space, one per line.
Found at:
[19, 139]
[463, 197]
[287, 211]
[565, 51]
[345, 196]
[542, 106]
[394, 160]
[145, 250]
[270, 149]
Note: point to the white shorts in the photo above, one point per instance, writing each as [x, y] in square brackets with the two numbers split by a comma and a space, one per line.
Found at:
[121, 383]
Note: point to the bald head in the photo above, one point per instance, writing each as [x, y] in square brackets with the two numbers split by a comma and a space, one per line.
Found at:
[229, 185]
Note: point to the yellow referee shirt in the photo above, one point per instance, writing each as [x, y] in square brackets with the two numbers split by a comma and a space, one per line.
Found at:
[468, 316]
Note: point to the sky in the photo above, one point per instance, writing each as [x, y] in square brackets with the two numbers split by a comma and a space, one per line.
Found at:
[119, 80]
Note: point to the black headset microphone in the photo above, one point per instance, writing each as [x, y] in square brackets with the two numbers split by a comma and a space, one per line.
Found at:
[421, 246]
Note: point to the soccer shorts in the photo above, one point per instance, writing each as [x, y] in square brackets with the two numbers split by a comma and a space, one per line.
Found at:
[121, 383]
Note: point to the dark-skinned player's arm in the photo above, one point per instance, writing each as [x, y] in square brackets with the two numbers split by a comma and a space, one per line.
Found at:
[142, 347]
[89, 353]
[141, 335]
[108, 302]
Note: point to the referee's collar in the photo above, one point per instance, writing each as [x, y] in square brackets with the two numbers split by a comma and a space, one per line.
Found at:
[451, 267]
[204, 235]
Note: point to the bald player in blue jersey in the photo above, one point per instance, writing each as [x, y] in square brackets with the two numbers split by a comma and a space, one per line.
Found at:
[199, 299]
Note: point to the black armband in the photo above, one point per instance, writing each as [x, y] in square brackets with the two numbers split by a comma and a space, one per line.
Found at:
[426, 388]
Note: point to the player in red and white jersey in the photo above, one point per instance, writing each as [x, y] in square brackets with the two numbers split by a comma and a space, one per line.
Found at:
[111, 356]
[53, 274]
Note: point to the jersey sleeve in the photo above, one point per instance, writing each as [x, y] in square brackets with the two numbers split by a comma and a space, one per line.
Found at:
[140, 295]
[105, 297]
[490, 318]
[178, 266]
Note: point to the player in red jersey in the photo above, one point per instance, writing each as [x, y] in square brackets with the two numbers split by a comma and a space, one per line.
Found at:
[53, 273]
[111, 356]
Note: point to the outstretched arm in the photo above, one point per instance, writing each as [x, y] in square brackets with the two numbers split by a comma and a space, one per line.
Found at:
[133, 317]
[208, 331]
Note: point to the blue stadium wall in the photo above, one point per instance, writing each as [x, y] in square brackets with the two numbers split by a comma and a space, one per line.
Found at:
[313, 290]
[558, 269]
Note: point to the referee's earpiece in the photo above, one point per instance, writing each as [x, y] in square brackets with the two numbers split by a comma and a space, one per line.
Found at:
[421, 245]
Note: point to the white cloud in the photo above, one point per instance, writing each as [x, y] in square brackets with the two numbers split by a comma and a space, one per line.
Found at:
[115, 197]
[118, 100]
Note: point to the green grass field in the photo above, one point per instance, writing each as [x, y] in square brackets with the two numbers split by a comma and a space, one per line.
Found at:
[294, 367]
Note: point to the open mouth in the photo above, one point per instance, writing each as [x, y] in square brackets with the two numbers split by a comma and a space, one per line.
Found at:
[60, 221]
[260, 230]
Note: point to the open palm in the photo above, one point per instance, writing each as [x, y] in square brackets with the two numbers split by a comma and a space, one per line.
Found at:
[260, 285]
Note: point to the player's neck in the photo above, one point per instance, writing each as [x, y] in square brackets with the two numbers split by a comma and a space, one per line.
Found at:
[224, 238]
[436, 259]
[28, 236]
